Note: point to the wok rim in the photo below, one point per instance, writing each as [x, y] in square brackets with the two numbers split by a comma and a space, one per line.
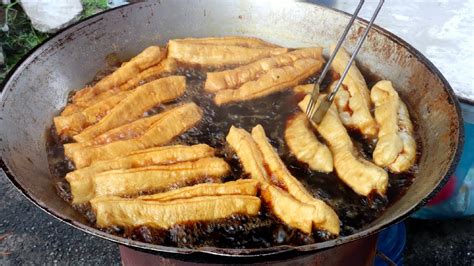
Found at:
[234, 252]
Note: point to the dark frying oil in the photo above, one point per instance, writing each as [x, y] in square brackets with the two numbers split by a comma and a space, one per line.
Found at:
[264, 230]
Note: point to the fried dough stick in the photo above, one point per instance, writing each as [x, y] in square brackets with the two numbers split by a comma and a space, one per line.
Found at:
[149, 74]
[272, 81]
[132, 181]
[210, 54]
[134, 212]
[128, 131]
[353, 98]
[324, 217]
[304, 145]
[249, 42]
[282, 204]
[138, 102]
[305, 89]
[290, 210]
[81, 180]
[396, 146]
[247, 150]
[149, 57]
[166, 66]
[172, 123]
[140, 158]
[359, 174]
[234, 78]
[239, 187]
[73, 124]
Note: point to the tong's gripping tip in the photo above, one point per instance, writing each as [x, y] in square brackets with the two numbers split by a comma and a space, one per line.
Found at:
[317, 116]
[321, 111]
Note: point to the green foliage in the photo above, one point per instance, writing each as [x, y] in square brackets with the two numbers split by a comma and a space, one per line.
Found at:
[17, 36]
[93, 6]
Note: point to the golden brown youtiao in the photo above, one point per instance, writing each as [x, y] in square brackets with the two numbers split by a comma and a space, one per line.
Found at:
[239, 187]
[266, 76]
[73, 124]
[131, 130]
[234, 78]
[136, 104]
[396, 146]
[359, 174]
[304, 145]
[353, 99]
[154, 72]
[305, 89]
[172, 123]
[81, 180]
[250, 42]
[134, 212]
[247, 151]
[148, 57]
[122, 182]
[213, 53]
[324, 216]
[255, 153]
[166, 66]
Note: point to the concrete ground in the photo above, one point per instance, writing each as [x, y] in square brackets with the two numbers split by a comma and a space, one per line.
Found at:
[30, 236]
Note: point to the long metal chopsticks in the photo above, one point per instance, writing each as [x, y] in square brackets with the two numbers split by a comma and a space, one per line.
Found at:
[317, 115]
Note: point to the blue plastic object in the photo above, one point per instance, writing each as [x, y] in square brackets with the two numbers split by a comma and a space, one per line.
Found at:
[391, 243]
[461, 202]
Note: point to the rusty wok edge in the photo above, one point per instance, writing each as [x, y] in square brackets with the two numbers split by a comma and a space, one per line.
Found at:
[219, 251]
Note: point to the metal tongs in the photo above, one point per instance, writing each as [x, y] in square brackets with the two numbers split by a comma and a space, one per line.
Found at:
[317, 115]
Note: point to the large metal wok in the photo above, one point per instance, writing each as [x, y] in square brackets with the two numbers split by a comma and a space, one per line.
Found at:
[38, 88]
